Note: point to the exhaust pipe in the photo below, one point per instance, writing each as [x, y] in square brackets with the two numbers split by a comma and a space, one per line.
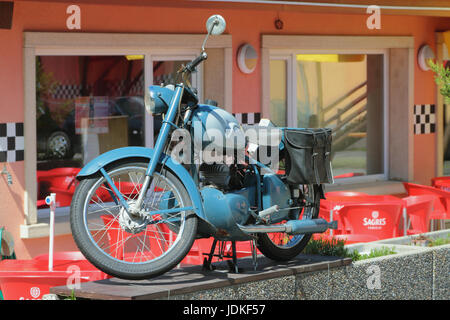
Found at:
[293, 227]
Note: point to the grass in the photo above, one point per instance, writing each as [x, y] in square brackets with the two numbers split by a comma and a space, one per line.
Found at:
[383, 251]
[440, 241]
[72, 296]
[335, 247]
[429, 242]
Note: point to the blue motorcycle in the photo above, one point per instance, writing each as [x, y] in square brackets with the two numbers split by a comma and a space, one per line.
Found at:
[137, 211]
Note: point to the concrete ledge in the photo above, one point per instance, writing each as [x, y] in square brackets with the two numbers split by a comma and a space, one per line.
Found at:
[417, 273]
[271, 280]
[413, 273]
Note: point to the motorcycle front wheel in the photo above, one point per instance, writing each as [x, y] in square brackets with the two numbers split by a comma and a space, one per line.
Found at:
[132, 246]
[280, 246]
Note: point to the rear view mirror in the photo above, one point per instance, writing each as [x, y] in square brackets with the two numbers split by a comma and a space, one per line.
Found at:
[215, 25]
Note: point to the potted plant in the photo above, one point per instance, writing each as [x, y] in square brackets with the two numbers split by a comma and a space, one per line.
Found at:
[442, 78]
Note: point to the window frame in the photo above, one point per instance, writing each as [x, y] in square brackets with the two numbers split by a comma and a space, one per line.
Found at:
[73, 44]
[289, 55]
[400, 94]
[290, 87]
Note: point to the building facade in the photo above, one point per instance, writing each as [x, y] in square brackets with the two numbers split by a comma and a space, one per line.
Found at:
[72, 77]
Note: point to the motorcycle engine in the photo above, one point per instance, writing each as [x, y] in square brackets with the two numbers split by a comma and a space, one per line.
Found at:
[223, 177]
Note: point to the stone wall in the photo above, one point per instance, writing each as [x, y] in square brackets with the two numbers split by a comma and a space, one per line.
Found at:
[419, 275]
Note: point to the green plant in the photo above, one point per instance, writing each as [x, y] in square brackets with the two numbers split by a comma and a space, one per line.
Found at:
[383, 251]
[72, 296]
[440, 241]
[324, 247]
[336, 247]
[442, 79]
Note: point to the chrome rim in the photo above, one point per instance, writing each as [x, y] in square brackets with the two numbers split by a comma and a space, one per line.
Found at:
[58, 145]
[154, 237]
[283, 240]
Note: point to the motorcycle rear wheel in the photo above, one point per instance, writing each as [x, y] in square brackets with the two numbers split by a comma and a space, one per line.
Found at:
[132, 248]
[280, 246]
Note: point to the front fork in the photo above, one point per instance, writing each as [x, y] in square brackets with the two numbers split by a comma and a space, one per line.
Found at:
[135, 207]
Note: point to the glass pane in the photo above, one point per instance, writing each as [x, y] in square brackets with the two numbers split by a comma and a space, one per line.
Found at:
[164, 73]
[344, 92]
[278, 92]
[86, 105]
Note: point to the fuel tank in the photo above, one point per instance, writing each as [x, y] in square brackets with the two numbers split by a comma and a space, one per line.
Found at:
[216, 128]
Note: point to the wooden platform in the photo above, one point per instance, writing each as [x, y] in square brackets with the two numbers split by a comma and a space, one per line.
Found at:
[180, 283]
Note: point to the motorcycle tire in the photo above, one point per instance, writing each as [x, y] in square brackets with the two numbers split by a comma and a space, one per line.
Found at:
[119, 260]
[283, 247]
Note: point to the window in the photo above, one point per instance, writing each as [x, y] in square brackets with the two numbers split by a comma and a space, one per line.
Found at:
[85, 106]
[278, 91]
[342, 91]
[157, 56]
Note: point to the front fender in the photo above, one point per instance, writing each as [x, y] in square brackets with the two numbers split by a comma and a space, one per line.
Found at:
[140, 152]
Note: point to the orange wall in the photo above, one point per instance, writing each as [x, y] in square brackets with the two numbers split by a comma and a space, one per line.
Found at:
[244, 25]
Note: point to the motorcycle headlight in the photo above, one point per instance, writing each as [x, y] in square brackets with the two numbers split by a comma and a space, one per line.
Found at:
[149, 102]
[157, 99]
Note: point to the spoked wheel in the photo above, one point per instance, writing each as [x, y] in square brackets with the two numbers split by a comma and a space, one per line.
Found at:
[133, 246]
[281, 246]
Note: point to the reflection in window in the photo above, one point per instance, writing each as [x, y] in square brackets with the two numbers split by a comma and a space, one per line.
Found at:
[344, 92]
[339, 91]
[278, 92]
[164, 73]
[86, 105]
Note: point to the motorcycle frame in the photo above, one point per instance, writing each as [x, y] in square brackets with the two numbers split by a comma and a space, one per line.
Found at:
[157, 156]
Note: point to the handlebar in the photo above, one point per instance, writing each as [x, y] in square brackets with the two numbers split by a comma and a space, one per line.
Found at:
[194, 63]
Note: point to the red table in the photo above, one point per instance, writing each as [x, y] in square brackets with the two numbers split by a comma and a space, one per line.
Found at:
[30, 279]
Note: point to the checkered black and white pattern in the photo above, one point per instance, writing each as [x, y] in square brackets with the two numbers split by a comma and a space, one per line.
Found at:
[248, 118]
[12, 142]
[115, 88]
[66, 91]
[424, 119]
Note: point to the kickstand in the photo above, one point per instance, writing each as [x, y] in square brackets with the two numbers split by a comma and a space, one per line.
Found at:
[254, 255]
[207, 261]
[232, 264]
